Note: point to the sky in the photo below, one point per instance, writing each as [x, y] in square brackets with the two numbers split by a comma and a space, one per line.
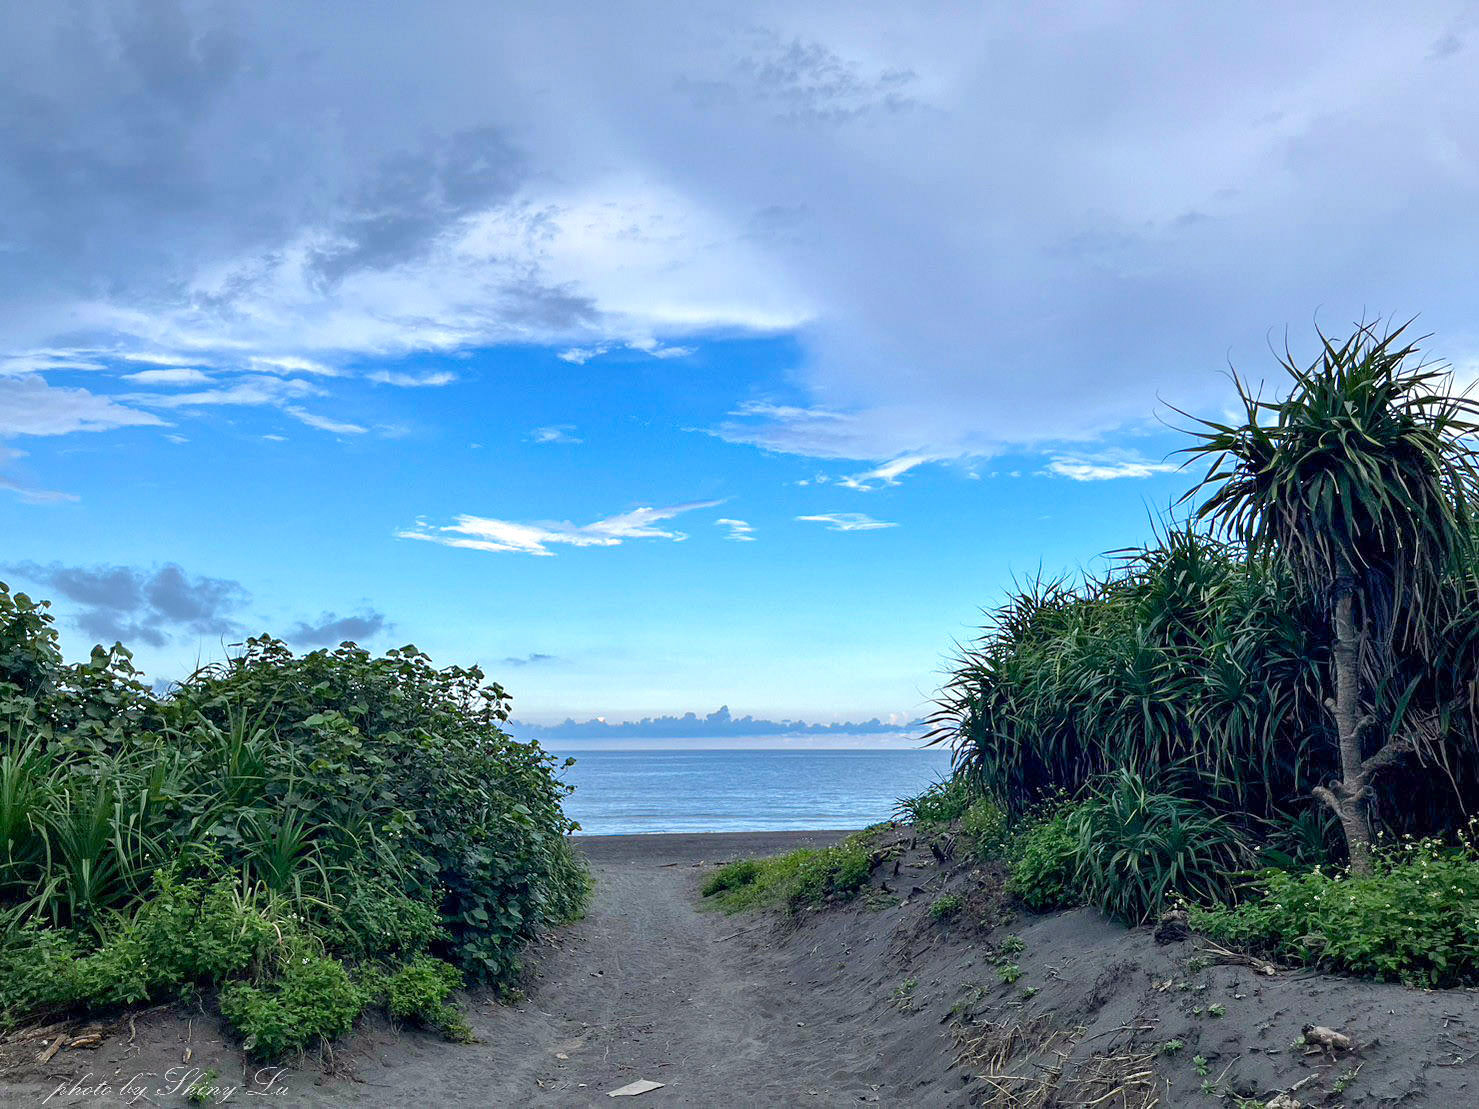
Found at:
[666, 356]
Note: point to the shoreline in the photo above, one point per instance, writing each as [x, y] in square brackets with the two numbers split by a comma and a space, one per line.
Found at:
[663, 847]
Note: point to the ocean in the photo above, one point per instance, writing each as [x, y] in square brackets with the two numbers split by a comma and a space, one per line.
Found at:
[622, 791]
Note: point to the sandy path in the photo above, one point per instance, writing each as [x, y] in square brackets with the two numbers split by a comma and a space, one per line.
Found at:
[646, 986]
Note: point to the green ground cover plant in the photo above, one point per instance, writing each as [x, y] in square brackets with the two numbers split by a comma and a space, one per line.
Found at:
[1413, 918]
[803, 878]
[305, 835]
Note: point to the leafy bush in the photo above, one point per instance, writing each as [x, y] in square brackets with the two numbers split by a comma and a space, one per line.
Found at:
[418, 991]
[188, 932]
[1134, 849]
[312, 996]
[1045, 864]
[336, 807]
[1415, 918]
[983, 826]
[807, 876]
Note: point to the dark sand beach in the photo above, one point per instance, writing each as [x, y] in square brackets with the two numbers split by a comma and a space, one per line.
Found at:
[648, 985]
[872, 1001]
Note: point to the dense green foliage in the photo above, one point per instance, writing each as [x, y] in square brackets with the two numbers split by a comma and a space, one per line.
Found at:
[1296, 665]
[1134, 849]
[1044, 863]
[1415, 918]
[269, 826]
[803, 878]
[1202, 663]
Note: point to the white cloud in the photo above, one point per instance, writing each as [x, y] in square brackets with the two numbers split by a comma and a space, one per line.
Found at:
[555, 433]
[323, 423]
[174, 376]
[275, 438]
[887, 474]
[1108, 465]
[413, 381]
[32, 406]
[482, 533]
[247, 391]
[291, 364]
[857, 202]
[579, 356]
[740, 531]
[155, 358]
[848, 521]
[39, 361]
[35, 496]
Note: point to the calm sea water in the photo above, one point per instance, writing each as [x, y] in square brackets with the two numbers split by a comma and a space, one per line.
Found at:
[749, 790]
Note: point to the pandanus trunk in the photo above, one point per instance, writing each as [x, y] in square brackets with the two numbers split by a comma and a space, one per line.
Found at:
[1348, 797]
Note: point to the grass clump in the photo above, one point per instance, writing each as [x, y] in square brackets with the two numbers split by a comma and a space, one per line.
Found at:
[1134, 849]
[1414, 918]
[803, 878]
[943, 908]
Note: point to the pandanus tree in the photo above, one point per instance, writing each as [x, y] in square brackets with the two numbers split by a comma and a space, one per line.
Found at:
[1361, 481]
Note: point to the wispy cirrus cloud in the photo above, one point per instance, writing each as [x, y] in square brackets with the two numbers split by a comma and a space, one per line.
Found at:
[1107, 466]
[887, 474]
[740, 531]
[431, 379]
[31, 495]
[483, 533]
[31, 405]
[170, 376]
[848, 521]
[324, 423]
[555, 433]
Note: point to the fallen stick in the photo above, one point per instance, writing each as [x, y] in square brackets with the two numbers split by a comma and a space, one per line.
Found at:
[741, 932]
[56, 1045]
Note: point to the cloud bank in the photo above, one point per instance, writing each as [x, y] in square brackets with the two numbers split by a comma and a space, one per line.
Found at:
[987, 229]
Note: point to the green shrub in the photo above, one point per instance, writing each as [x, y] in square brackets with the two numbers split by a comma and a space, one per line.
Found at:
[942, 802]
[189, 932]
[983, 826]
[418, 992]
[1134, 849]
[311, 997]
[1415, 919]
[344, 806]
[807, 876]
[731, 876]
[946, 906]
[371, 919]
[1045, 865]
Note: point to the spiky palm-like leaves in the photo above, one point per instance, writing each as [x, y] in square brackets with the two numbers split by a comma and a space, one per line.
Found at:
[1361, 483]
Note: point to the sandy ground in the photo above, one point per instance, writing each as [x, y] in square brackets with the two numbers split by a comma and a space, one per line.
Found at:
[648, 985]
[877, 1000]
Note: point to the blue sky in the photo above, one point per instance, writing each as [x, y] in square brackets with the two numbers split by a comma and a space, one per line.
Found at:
[672, 358]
